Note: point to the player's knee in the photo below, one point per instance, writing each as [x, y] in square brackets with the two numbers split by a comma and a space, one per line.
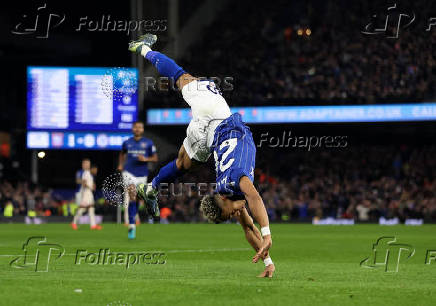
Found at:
[187, 163]
[183, 161]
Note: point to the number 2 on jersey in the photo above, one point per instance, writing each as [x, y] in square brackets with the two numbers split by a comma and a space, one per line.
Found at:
[231, 145]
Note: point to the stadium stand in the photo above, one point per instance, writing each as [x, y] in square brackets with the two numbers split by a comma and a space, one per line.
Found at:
[271, 64]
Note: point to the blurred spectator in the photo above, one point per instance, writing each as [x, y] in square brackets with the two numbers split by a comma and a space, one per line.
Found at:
[311, 53]
[355, 184]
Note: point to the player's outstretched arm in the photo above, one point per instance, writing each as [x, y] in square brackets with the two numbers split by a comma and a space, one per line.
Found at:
[121, 160]
[254, 238]
[122, 157]
[251, 232]
[259, 213]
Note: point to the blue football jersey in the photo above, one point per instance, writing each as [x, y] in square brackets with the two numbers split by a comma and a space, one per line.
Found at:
[133, 148]
[235, 155]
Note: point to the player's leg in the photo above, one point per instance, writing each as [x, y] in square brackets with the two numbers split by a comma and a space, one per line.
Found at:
[132, 214]
[167, 174]
[126, 208]
[165, 66]
[173, 169]
[129, 203]
[78, 214]
[139, 202]
[132, 208]
[132, 225]
[93, 224]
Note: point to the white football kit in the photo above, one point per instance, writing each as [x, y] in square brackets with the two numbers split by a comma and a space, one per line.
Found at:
[86, 194]
[86, 198]
[209, 109]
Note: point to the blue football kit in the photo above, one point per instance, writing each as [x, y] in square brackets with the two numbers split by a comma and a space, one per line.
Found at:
[133, 148]
[235, 155]
[136, 171]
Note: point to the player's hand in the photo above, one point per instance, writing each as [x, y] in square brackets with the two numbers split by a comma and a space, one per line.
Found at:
[142, 158]
[266, 244]
[268, 272]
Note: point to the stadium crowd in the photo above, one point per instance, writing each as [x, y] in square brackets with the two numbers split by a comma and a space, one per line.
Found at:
[26, 199]
[304, 54]
[354, 184]
[362, 184]
[19, 198]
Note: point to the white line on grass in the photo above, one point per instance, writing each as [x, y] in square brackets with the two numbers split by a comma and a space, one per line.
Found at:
[161, 251]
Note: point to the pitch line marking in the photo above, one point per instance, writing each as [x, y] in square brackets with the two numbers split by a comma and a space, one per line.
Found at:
[162, 251]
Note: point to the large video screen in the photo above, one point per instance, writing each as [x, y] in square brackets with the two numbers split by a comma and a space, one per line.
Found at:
[65, 104]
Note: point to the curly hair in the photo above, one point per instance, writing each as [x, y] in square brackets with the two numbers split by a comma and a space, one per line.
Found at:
[210, 209]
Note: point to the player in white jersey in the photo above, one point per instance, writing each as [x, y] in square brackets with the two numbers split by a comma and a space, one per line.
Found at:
[211, 116]
[208, 107]
[86, 197]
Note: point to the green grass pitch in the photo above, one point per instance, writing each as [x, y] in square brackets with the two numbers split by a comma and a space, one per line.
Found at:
[211, 265]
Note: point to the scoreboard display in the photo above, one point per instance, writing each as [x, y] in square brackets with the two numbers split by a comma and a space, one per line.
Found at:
[80, 107]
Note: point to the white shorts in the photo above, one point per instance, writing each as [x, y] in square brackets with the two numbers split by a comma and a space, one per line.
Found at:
[86, 198]
[130, 179]
[209, 109]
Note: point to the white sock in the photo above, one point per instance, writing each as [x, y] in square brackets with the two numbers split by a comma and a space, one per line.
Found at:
[268, 261]
[91, 212]
[132, 226]
[144, 50]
